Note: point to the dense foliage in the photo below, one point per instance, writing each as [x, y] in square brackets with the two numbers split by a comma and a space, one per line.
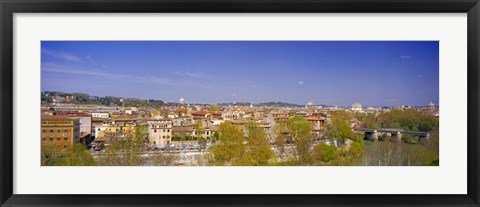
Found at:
[408, 120]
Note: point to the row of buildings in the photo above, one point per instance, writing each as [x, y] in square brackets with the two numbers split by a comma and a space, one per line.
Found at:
[63, 125]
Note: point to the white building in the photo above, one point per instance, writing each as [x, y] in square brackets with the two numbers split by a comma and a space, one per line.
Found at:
[159, 132]
[310, 105]
[431, 105]
[99, 129]
[100, 114]
[357, 107]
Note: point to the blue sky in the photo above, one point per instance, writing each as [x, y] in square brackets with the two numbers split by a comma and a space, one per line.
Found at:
[377, 73]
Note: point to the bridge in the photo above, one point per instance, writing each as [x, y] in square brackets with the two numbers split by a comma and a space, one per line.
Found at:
[372, 134]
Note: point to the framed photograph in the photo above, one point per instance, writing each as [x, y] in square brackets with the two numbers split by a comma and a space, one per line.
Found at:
[239, 103]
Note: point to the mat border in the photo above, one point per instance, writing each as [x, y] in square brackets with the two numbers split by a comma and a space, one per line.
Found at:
[10, 7]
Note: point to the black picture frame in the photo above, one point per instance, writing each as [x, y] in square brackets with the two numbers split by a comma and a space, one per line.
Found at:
[10, 7]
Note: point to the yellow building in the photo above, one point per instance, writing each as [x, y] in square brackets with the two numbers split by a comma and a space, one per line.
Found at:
[61, 131]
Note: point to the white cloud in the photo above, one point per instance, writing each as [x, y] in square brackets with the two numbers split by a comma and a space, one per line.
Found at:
[179, 73]
[67, 69]
[56, 68]
[193, 75]
[62, 55]
[90, 59]
[189, 74]
[300, 82]
[405, 56]
[152, 80]
[234, 94]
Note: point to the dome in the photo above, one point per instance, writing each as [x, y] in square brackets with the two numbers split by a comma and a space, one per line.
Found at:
[182, 101]
[431, 104]
[357, 106]
[309, 105]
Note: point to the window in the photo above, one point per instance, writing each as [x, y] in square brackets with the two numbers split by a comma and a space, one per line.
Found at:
[43, 131]
[51, 139]
[155, 131]
[51, 130]
[65, 139]
[163, 137]
[168, 130]
[164, 130]
[64, 146]
[65, 130]
[58, 138]
[44, 139]
[58, 130]
[59, 122]
[51, 122]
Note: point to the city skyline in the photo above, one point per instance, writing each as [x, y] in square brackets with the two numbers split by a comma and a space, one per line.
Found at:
[376, 73]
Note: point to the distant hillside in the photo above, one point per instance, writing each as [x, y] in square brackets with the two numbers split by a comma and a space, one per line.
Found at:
[84, 98]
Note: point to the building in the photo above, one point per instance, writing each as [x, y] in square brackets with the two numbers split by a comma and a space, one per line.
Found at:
[159, 132]
[85, 120]
[182, 131]
[61, 131]
[310, 105]
[357, 107]
[431, 106]
[182, 121]
[100, 114]
[181, 101]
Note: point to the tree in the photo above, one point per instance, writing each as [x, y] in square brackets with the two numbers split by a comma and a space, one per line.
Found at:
[301, 131]
[199, 129]
[409, 120]
[230, 148]
[258, 151]
[340, 129]
[370, 121]
[280, 131]
[76, 155]
[126, 152]
[50, 155]
[325, 153]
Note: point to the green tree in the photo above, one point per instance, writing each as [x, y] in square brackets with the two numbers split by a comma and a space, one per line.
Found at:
[409, 120]
[199, 128]
[280, 131]
[126, 152]
[370, 121]
[301, 131]
[340, 127]
[230, 148]
[50, 155]
[324, 152]
[76, 155]
[258, 151]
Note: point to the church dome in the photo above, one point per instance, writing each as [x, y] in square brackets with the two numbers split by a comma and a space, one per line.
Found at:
[309, 105]
[356, 106]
